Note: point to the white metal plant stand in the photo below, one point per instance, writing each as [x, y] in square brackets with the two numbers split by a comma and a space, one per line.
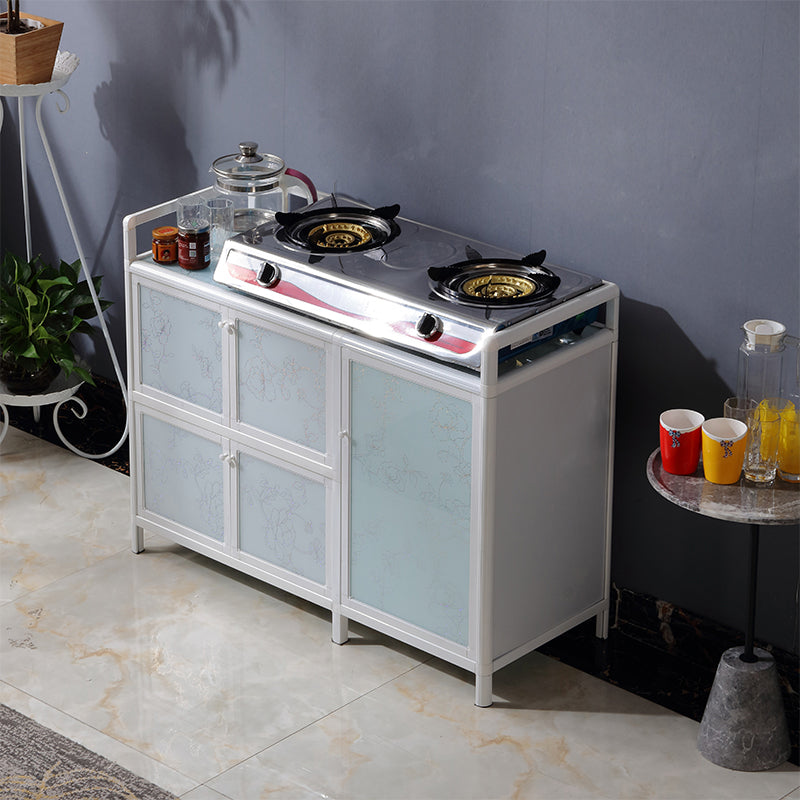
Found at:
[64, 389]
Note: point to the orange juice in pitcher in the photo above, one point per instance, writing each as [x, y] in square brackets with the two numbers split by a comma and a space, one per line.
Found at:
[789, 437]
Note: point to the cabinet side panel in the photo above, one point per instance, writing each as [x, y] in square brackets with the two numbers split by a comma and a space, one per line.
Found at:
[410, 501]
[180, 348]
[182, 477]
[551, 499]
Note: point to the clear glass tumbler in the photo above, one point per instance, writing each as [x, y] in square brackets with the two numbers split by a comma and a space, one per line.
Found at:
[220, 215]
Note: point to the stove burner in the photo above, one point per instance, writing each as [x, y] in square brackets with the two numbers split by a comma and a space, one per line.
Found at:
[338, 230]
[496, 286]
[495, 282]
[339, 235]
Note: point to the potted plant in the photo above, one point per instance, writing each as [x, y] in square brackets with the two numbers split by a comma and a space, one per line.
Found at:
[42, 307]
[28, 46]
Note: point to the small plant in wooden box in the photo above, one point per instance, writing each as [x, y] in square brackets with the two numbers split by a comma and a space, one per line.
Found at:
[28, 46]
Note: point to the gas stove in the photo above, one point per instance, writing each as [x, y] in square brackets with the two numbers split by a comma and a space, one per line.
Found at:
[393, 279]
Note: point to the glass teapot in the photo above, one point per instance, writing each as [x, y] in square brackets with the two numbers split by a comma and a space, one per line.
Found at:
[259, 185]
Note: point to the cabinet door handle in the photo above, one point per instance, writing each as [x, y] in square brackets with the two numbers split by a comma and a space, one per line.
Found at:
[227, 325]
[229, 459]
[344, 434]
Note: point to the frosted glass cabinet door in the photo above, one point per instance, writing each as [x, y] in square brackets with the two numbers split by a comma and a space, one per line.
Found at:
[410, 480]
[282, 517]
[281, 385]
[182, 477]
[180, 348]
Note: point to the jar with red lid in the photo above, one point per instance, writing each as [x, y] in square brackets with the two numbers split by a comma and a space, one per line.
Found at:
[194, 246]
[165, 244]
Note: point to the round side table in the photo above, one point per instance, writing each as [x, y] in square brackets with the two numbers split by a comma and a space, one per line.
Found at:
[744, 723]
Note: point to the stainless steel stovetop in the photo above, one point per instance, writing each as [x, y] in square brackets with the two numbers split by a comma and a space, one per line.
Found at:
[384, 292]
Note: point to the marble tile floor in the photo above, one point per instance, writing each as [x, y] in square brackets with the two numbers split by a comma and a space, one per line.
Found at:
[214, 686]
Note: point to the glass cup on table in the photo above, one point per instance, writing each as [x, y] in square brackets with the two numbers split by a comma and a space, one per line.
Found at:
[220, 216]
[738, 408]
[789, 442]
[763, 426]
[191, 212]
[761, 455]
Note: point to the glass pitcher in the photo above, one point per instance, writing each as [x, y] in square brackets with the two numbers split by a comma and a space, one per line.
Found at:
[259, 185]
[760, 360]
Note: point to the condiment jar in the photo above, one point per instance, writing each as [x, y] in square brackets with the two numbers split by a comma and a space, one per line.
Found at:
[165, 244]
[194, 247]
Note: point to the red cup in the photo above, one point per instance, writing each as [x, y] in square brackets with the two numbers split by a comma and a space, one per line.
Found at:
[681, 440]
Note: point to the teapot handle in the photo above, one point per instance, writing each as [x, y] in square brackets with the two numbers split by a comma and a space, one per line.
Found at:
[303, 181]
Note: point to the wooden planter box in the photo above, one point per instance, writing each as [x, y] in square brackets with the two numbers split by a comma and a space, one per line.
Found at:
[29, 57]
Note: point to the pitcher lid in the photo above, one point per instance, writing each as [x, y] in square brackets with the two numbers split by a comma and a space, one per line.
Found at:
[248, 170]
[764, 333]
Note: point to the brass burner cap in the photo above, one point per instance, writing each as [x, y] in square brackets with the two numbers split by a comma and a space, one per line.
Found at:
[339, 235]
[497, 286]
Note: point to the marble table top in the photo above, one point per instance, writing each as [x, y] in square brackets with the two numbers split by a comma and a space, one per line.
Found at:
[778, 504]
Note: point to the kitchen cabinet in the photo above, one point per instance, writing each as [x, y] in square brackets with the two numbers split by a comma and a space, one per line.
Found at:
[453, 538]
[466, 513]
[232, 448]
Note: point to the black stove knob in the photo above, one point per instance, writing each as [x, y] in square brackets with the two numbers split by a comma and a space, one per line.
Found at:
[428, 326]
[269, 275]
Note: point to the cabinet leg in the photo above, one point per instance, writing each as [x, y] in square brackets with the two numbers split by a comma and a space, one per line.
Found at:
[339, 632]
[483, 690]
[601, 625]
[137, 539]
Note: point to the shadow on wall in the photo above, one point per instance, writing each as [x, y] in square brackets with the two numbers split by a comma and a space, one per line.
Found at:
[13, 236]
[140, 107]
[659, 368]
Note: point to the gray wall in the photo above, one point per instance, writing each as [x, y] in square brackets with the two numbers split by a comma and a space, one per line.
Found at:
[652, 143]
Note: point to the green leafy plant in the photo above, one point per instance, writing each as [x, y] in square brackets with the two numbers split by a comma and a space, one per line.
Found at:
[42, 307]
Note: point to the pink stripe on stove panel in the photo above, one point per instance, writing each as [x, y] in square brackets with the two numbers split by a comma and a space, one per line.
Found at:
[452, 343]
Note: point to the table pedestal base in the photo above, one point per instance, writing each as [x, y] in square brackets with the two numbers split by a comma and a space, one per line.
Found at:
[744, 724]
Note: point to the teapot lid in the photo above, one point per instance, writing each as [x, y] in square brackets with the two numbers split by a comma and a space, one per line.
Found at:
[764, 333]
[248, 170]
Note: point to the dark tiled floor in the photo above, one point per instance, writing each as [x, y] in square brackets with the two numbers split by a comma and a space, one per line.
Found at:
[676, 675]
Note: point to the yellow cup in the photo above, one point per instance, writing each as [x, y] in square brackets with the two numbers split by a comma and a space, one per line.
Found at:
[724, 443]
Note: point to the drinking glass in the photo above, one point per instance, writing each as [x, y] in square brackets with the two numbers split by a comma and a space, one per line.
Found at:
[763, 426]
[789, 443]
[738, 408]
[192, 212]
[761, 455]
[220, 215]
